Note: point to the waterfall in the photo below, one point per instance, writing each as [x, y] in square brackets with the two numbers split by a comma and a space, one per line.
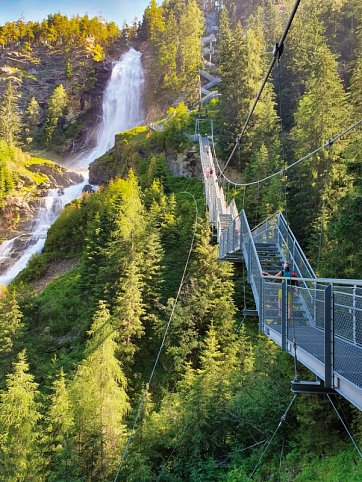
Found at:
[122, 110]
[122, 107]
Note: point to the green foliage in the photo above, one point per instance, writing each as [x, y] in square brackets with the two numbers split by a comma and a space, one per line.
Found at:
[31, 120]
[60, 308]
[13, 166]
[11, 329]
[219, 392]
[59, 436]
[128, 310]
[56, 111]
[66, 237]
[35, 269]
[20, 457]
[58, 30]
[175, 30]
[6, 176]
[96, 51]
[322, 111]
[10, 123]
[69, 69]
[173, 137]
[342, 466]
[100, 400]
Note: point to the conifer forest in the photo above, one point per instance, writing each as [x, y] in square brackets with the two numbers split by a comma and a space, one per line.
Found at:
[134, 343]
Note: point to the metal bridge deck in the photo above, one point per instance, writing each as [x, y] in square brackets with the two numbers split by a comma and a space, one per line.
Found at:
[347, 357]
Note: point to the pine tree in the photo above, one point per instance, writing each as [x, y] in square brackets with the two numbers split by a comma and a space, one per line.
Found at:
[207, 299]
[241, 73]
[323, 180]
[31, 120]
[167, 54]
[11, 326]
[69, 70]
[56, 110]
[272, 23]
[226, 66]
[155, 23]
[341, 255]
[356, 79]
[191, 27]
[301, 56]
[100, 402]
[10, 124]
[127, 233]
[128, 310]
[94, 256]
[20, 455]
[59, 438]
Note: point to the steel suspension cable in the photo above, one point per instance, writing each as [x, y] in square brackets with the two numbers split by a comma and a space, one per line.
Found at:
[292, 289]
[278, 50]
[345, 427]
[327, 144]
[140, 407]
[282, 138]
[282, 420]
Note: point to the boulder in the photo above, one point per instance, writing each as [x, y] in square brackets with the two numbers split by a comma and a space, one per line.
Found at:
[88, 189]
[58, 176]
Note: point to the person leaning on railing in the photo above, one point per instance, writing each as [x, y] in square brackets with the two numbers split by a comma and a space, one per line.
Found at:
[283, 273]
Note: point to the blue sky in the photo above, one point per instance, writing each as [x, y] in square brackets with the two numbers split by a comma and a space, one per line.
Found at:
[112, 10]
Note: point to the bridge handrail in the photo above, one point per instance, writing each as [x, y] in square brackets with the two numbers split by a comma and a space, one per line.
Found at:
[295, 241]
[327, 281]
[248, 233]
[265, 221]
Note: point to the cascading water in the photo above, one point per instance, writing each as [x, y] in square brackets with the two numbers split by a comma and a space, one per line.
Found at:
[122, 104]
[122, 110]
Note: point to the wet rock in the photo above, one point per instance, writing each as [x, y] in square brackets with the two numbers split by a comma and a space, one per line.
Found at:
[88, 189]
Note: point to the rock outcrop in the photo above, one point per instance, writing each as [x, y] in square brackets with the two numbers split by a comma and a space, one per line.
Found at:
[22, 204]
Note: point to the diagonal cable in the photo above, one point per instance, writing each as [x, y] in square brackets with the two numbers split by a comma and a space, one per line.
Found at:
[327, 144]
[345, 427]
[278, 50]
[140, 407]
[282, 419]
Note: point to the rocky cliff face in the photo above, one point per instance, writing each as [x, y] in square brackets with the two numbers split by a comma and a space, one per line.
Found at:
[38, 71]
[21, 205]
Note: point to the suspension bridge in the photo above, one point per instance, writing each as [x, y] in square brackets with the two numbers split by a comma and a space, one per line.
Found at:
[318, 322]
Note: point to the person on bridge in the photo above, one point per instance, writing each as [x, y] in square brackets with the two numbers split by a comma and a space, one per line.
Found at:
[285, 272]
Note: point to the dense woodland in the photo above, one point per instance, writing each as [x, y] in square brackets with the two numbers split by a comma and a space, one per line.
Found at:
[76, 354]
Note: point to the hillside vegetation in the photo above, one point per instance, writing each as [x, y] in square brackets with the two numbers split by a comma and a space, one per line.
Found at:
[76, 353]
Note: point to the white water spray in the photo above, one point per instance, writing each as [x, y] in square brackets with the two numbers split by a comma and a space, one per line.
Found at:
[122, 104]
[122, 110]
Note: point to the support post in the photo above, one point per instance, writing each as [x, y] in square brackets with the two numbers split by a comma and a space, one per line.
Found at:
[234, 235]
[261, 306]
[241, 235]
[249, 261]
[354, 317]
[328, 337]
[284, 314]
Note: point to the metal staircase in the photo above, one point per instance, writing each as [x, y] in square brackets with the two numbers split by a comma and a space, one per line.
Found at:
[319, 321]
